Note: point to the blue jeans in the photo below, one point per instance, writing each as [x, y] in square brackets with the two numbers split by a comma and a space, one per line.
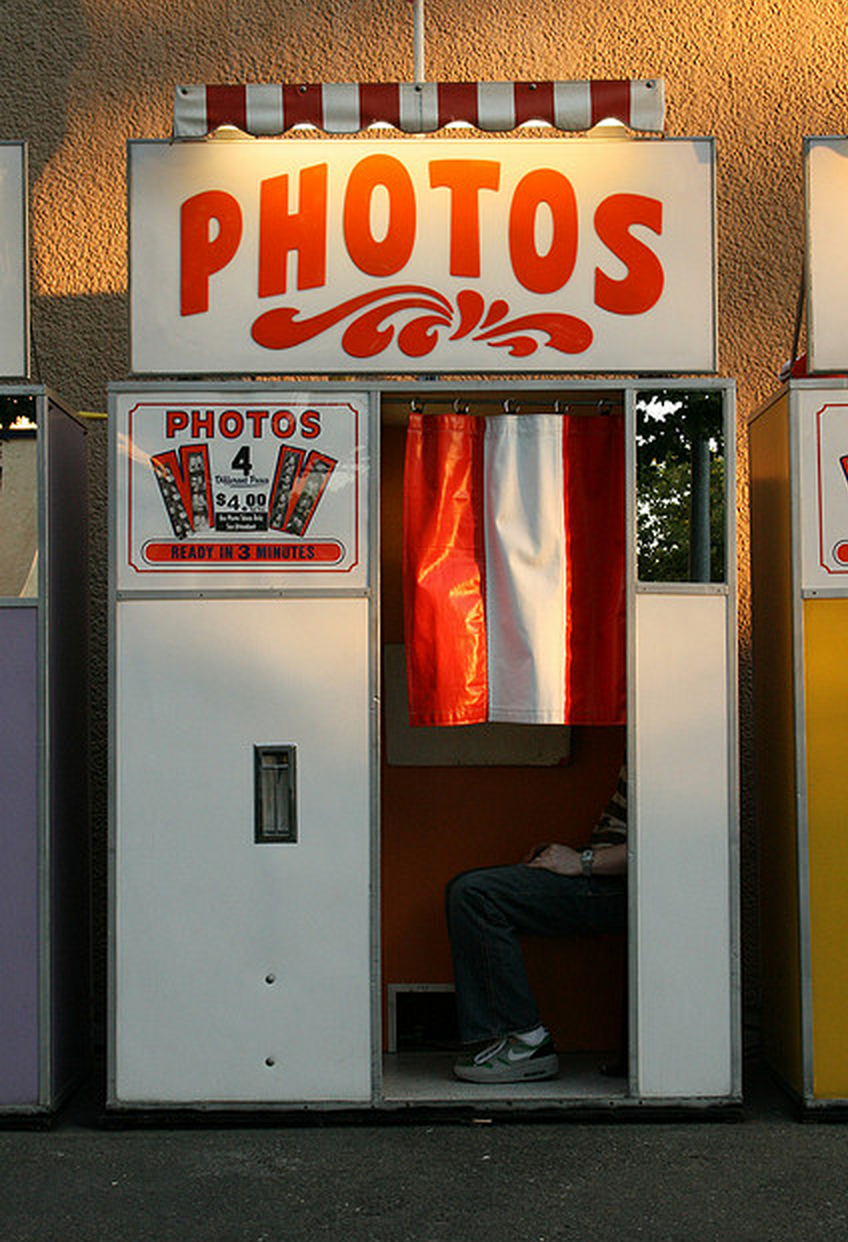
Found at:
[487, 911]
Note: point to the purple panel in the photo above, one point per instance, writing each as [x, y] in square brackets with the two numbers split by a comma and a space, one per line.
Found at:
[19, 1035]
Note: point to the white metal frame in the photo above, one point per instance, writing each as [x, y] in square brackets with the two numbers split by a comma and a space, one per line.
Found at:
[728, 589]
[629, 390]
[298, 592]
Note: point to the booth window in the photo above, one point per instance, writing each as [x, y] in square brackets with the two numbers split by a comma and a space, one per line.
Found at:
[680, 486]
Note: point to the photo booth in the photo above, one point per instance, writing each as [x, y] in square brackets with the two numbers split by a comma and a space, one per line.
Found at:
[45, 1018]
[799, 562]
[284, 816]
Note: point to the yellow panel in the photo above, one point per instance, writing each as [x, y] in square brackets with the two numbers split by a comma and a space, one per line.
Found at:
[773, 659]
[826, 673]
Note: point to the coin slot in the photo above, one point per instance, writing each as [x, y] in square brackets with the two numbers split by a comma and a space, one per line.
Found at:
[275, 794]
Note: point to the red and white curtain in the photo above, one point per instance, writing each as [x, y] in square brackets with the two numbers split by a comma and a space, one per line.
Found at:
[514, 569]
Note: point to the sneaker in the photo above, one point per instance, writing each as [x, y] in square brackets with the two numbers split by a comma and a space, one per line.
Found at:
[510, 1060]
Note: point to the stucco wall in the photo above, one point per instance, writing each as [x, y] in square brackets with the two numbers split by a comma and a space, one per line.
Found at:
[80, 77]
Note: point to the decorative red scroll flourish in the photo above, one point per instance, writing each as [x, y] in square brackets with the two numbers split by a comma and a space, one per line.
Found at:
[369, 333]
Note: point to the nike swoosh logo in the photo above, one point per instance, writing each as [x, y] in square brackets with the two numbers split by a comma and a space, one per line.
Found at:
[513, 1056]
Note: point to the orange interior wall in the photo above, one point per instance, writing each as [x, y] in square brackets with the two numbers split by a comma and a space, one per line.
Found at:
[439, 821]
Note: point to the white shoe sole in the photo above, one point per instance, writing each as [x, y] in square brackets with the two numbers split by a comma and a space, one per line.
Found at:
[531, 1071]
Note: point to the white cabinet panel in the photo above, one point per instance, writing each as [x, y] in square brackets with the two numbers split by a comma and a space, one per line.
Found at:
[684, 834]
[241, 970]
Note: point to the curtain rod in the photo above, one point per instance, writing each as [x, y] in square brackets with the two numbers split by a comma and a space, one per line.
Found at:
[464, 405]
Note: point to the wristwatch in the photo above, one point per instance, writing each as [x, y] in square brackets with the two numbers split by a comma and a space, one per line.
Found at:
[587, 859]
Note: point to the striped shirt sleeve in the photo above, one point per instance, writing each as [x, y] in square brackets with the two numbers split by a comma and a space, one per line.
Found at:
[611, 828]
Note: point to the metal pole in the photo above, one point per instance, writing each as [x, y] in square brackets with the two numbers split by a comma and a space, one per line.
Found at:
[418, 40]
[699, 525]
[799, 315]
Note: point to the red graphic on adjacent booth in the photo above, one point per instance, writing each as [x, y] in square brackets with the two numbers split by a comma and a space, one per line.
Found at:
[840, 552]
[832, 498]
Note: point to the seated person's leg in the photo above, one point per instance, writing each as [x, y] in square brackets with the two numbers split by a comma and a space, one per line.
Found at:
[483, 915]
[487, 911]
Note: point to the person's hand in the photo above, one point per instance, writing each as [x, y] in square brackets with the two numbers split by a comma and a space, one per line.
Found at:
[561, 859]
[535, 851]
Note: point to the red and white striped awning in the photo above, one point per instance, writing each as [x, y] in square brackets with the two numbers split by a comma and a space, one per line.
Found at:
[418, 107]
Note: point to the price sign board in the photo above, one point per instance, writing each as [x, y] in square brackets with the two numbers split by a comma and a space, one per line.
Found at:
[248, 489]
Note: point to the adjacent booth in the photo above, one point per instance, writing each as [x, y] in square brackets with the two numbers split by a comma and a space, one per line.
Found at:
[308, 738]
[799, 507]
[44, 933]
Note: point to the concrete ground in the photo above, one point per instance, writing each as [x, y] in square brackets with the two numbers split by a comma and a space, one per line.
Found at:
[766, 1177]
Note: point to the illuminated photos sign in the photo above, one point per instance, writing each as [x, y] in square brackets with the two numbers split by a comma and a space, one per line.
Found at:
[422, 255]
[826, 163]
[14, 353]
